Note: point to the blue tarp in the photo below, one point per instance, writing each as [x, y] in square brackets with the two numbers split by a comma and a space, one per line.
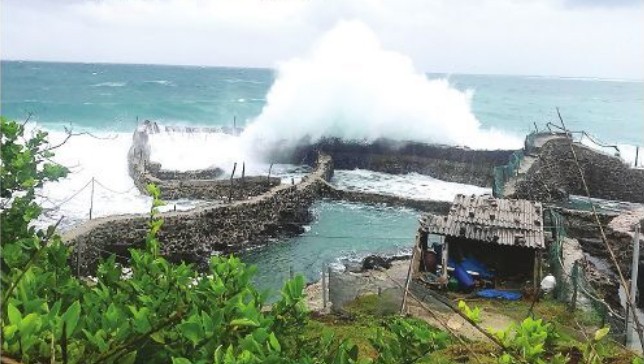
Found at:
[473, 265]
[495, 293]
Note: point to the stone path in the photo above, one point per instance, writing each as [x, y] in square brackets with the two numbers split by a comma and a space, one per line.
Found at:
[526, 163]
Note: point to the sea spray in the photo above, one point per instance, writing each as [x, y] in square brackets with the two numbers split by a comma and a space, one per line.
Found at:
[102, 156]
[348, 86]
[411, 185]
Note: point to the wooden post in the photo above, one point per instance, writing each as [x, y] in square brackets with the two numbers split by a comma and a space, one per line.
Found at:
[323, 286]
[408, 281]
[444, 258]
[91, 201]
[270, 168]
[630, 328]
[637, 155]
[243, 178]
[329, 285]
[535, 271]
[230, 193]
[575, 284]
[235, 125]
[290, 272]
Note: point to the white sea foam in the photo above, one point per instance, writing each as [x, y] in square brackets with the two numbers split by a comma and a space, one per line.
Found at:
[348, 86]
[102, 159]
[185, 151]
[110, 84]
[162, 82]
[412, 185]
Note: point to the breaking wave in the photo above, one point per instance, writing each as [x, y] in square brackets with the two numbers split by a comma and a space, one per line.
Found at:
[349, 87]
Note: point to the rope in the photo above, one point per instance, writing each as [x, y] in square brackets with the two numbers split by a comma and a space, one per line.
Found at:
[114, 191]
[57, 206]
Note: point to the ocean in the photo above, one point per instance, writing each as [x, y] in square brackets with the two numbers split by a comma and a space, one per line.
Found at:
[104, 103]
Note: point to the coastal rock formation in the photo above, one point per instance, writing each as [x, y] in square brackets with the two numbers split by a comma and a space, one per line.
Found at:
[196, 234]
[201, 184]
[452, 164]
[554, 174]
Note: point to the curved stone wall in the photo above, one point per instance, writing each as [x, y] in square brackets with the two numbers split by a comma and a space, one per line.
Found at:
[202, 184]
[193, 235]
[452, 164]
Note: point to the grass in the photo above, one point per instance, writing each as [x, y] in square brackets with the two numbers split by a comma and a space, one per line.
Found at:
[366, 315]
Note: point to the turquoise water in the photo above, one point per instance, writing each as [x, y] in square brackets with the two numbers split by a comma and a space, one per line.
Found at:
[111, 97]
[339, 231]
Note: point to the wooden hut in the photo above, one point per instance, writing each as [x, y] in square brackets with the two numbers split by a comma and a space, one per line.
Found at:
[503, 236]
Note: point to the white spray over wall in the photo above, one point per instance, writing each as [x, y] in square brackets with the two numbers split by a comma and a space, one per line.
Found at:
[348, 86]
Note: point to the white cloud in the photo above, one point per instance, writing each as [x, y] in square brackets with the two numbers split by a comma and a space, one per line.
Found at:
[550, 37]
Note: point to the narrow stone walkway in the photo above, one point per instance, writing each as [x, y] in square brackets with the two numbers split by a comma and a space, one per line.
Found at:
[526, 163]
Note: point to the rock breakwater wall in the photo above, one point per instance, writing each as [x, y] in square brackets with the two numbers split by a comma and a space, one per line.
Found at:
[203, 184]
[452, 164]
[435, 207]
[193, 235]
[554, 175]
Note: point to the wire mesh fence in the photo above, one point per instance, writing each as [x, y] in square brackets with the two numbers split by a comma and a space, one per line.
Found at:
[573, 286]
[502, 174]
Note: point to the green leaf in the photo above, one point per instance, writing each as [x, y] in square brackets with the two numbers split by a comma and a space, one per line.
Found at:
[601, 333]
[14, 315]
[158, 337]
[130, 358]
[71, 317]
[181, 361]
[29, 324]
[192, 331]
[275, 344]
[244, 322]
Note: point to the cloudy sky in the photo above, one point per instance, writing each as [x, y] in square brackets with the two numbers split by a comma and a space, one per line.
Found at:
[591, 38]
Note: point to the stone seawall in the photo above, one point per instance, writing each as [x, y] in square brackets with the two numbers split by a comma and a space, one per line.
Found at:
[193, 235]
[554, 175]
[201, 184]
[452, 164]
[435, 207]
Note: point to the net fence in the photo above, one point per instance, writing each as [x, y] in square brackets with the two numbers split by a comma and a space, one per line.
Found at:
[573, 286]
[502, 174]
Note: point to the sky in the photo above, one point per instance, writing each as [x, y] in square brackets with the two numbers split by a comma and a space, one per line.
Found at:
[573, 38]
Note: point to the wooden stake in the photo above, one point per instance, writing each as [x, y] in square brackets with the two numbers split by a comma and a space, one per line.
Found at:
[407, 281]
[637, 155]
[323, 286]
[575, 284]
[230, 193]
[630, 332]
[91, 202]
